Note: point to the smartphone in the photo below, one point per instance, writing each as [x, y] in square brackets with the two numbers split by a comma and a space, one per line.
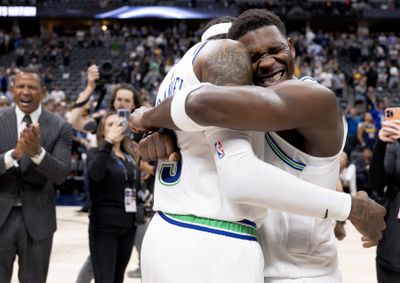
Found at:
[392, 113]
[124, 113]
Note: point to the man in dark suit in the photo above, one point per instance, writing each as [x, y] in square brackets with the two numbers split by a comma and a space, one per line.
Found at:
[35, 149]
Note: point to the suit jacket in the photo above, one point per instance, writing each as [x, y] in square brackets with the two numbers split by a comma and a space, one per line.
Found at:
[31, 183]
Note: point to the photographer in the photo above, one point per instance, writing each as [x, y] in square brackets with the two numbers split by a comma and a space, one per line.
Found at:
[124, 96]
[385, 183]
[114, 185]
[76, 117]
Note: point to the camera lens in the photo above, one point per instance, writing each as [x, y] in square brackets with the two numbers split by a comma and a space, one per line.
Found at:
[106, 68]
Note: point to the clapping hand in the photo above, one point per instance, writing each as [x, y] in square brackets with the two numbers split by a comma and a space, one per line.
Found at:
[28, 142]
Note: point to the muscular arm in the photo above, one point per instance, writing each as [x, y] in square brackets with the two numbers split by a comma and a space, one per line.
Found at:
[260, 189]
[308, 107]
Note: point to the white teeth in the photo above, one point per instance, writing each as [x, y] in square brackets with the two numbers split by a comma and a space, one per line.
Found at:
[274, 78]
[277, 76]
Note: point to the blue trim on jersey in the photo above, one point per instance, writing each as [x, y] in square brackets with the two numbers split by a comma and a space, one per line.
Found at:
[206, 229]
[248, 222]
[196, 52]
[308, 78]
[296, 165]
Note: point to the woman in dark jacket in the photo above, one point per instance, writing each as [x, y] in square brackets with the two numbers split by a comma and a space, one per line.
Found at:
[114, 181]
[385, 182]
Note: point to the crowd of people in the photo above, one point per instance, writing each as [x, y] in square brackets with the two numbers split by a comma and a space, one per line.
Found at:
[362, 70]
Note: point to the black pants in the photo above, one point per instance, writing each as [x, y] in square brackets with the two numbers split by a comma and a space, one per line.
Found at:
[385, 275]
[110, 249]
[33, 255]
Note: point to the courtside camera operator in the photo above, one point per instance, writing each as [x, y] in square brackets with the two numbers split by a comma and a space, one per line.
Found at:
[124, 99]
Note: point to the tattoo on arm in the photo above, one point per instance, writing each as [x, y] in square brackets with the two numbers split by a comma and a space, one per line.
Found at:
[229, 65]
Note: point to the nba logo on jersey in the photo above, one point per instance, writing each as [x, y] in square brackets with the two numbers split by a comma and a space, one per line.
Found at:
[220, 150]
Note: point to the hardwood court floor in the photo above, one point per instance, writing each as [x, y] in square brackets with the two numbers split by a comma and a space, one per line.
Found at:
[70, 249]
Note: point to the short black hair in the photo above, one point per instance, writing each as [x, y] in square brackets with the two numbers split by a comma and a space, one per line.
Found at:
[219, 20]
[35, 72]
[254, 19]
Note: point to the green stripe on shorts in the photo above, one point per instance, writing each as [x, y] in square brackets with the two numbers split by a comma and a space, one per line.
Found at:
[236, 227]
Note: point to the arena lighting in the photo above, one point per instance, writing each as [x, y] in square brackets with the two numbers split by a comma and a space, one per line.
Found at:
[163, 12]
[18, 11]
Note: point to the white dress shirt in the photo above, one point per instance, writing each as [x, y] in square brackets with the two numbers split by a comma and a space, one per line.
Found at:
[8, 160]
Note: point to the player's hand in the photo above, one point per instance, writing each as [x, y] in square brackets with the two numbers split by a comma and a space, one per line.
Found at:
[368, 243]
[340, 232]
[390, 131]
[159, 146]
[367, 216]
[93, 74]
[136, 120]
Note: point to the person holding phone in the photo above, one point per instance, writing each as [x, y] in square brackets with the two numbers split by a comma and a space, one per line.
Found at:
[114, 182]
[385, 182]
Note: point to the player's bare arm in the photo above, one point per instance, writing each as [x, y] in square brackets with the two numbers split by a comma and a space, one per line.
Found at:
[308, 107]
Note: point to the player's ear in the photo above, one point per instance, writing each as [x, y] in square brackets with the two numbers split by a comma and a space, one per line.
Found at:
[291, 47]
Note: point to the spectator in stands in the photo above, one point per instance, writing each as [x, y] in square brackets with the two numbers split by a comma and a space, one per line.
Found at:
[372, 75]
[123, 97]
[378, 113]
[338, 82]
[385, 181]
[152, 76]
[347, 175]
[35, 149]
[363, 162]
[57, 94]
[353, 120]
[393, 83]
[4, 102]
[114, 183]
[366, 132]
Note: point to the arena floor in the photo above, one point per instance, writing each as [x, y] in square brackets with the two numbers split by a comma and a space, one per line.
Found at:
[70, 249]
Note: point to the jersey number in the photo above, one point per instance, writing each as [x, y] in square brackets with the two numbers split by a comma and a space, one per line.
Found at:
[170, 173]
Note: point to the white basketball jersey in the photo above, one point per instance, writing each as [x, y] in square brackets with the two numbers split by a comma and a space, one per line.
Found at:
[298, 246]
[191, 185]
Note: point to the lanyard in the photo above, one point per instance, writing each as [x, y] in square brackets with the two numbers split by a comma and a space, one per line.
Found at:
[124, 168]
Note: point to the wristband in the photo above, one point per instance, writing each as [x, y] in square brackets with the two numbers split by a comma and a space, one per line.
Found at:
[178, 111]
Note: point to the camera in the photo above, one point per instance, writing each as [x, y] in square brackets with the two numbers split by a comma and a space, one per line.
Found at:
[105, 70]
[124, 113]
